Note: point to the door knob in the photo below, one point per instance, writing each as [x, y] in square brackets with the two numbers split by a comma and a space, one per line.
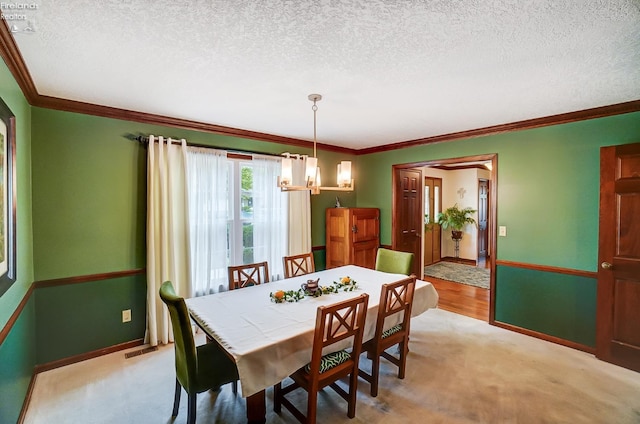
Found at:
[606, 265]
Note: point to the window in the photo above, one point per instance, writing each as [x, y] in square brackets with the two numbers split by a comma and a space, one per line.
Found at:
[427, 202]
[240, 221]
[237, 215]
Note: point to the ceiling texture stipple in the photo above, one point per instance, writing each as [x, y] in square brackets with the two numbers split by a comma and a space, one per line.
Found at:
[388, 71]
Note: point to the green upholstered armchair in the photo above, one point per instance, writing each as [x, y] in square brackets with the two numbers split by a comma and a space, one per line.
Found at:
[197, 368]
[394, 262]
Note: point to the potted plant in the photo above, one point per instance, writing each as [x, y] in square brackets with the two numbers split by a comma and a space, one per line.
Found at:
[456, 218]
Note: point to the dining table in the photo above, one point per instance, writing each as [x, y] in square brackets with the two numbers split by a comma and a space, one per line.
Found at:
[269, 340]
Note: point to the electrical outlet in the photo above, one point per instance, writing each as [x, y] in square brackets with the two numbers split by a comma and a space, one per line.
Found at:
[502, 231]
[126, 315]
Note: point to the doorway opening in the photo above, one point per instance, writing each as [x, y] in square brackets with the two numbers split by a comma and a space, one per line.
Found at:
[469, 181]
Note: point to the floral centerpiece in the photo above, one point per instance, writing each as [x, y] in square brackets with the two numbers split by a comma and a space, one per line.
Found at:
[281, 296]
[344, 284]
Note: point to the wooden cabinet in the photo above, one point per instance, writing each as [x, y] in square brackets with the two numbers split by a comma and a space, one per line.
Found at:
[352, 236]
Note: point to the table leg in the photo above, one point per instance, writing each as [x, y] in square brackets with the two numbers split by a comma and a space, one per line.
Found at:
[256, 408]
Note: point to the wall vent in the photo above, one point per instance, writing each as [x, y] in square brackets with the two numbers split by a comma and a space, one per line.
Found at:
[140, 352]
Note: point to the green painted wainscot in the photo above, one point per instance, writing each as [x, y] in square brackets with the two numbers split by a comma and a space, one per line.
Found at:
[557, 304]
[77, 318]
[17, 361]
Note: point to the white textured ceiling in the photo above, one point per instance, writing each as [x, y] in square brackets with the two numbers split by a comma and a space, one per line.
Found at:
[389, 70]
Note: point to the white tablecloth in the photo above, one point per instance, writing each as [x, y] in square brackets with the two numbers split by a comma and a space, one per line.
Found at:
[269, 341]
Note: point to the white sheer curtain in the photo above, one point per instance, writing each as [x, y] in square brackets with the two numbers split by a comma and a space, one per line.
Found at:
[166, 232]
[208, 204]
[270, 215]
[299, 212]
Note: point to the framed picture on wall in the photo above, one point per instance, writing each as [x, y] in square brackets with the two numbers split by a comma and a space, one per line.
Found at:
[7, 198]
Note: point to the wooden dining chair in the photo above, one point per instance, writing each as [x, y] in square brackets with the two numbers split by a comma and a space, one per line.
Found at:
[394, 261]
[248, 275]
[395, 298]
[295, 265]
[198, 368]
[334, 323]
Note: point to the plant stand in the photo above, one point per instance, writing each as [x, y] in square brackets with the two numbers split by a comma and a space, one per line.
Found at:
[456, 236]
[456, 249]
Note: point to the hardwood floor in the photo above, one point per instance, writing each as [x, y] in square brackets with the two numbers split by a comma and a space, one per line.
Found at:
[462, 299]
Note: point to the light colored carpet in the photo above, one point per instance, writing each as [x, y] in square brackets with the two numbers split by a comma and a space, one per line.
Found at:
[459, 370]
[460, 273]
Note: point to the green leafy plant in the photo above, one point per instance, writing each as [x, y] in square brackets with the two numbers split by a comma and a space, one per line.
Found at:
[456, 218]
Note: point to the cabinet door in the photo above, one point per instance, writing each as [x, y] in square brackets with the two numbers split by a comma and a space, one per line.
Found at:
[365, 225]
[364, 253]
[337, 238]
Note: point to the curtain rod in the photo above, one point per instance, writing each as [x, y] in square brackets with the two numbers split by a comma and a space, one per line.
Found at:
[175, 140]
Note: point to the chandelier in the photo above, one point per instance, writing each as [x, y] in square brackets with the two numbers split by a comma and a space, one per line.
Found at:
[313, 181]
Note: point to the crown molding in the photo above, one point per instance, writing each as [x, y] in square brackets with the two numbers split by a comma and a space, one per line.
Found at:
[13, 58]
[563, 118]
[56, 103]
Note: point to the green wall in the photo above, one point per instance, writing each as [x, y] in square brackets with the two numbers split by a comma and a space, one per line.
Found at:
[327, 199]
[88, 196]
[18, 358]
[89, 208]
[17, 352]
[548, 188]
[89, 191]
[548, 185]
[78, 318]
[559, 305]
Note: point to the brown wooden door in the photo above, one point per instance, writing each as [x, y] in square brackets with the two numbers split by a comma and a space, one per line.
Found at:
[408, 222]
[436, 231]
[618, 302]
[431, 237]
[483, 219]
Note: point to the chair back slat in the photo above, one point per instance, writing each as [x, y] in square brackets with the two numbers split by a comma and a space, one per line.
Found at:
[396, 298]
[241, 276]
[295, 265]
[338, 322]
